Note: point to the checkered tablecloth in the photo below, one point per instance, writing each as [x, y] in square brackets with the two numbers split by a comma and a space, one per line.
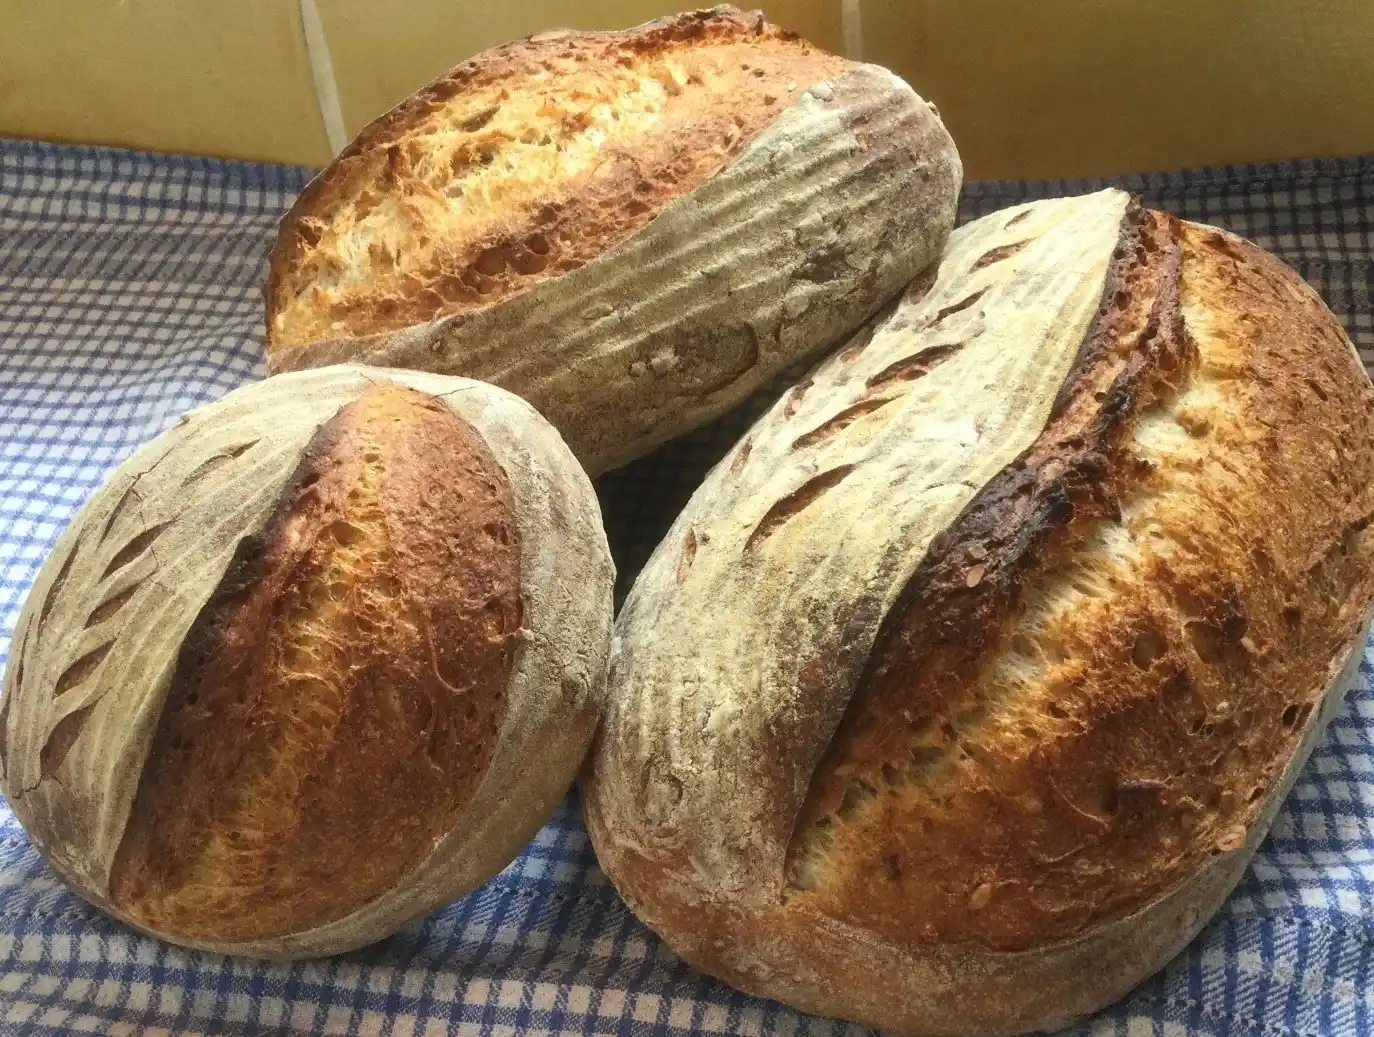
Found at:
[129, 292]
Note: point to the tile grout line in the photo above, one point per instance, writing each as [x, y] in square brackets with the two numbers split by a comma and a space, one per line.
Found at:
[322, 77]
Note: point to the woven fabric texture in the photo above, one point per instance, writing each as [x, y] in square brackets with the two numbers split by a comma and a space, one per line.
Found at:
[129, 292]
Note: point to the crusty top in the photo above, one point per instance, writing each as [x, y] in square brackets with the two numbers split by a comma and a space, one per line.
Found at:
[1007, 620]
[524, 163]
[271, 633]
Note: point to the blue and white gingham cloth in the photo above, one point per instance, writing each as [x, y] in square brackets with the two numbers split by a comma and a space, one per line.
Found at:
[129, 292]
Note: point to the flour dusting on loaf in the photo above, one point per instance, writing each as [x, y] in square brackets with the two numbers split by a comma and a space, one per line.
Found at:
[962, 690]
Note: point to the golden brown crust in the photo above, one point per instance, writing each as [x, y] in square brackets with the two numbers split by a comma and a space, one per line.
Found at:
[287, 785]
[499, 176]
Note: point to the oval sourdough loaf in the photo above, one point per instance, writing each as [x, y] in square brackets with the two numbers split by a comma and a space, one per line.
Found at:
[315, 661]
[631, 230]
[960, 694]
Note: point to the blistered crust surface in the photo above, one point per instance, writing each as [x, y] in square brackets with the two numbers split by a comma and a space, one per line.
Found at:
[522, 164]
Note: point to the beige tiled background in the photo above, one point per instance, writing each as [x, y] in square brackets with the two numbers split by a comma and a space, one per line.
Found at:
[1029, 87]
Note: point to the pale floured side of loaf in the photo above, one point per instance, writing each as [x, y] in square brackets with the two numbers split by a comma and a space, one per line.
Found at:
[962, 690]
[101, 633]
[823, 211]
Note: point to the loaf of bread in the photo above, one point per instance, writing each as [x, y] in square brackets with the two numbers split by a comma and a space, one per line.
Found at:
[962, 691]
[631, 230]
[312, 663]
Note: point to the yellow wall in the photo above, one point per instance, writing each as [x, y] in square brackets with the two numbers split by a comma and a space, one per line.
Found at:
[205, 76]
[1083, 87]
[1029, 87]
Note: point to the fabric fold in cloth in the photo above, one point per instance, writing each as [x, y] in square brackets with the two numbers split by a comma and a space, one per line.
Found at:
[130, 292]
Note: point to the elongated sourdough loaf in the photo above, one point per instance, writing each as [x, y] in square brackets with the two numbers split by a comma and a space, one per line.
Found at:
[960, 694]
[312, 663]
[631, 230]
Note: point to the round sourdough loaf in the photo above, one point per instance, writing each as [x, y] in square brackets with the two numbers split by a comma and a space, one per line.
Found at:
[632, 230]
[962, 691]
[315, 661]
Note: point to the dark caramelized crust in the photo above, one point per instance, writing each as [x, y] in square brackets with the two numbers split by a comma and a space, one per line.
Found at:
[338, 700]
[524, 163]
[1101, 669]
